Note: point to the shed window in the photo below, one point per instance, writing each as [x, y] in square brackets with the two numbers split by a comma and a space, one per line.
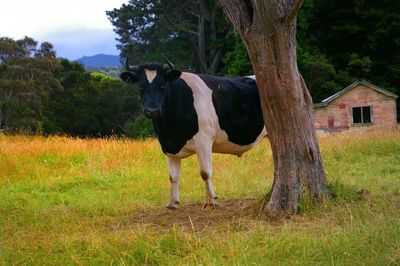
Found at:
[362, 115]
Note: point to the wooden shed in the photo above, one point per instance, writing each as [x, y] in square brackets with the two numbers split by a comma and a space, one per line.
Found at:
[358, 106]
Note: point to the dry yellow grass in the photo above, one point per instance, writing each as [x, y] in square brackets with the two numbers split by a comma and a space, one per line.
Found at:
[79, 201]
[39, 157]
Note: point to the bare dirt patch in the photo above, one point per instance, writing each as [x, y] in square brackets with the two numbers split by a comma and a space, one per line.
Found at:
[192, 216]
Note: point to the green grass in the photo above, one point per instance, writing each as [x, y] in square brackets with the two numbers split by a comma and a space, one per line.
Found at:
[69, 201]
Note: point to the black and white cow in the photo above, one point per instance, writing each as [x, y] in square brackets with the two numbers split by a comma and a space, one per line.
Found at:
[198, 114]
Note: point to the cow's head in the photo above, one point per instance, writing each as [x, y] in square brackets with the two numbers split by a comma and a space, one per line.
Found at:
[154, 81]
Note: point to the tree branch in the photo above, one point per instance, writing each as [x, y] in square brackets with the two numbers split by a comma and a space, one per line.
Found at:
[193, 14]
[176, 25]
[294, 11]
[215, 62]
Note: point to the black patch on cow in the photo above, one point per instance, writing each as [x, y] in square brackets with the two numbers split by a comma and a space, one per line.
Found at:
[178, 122]
[237, 103]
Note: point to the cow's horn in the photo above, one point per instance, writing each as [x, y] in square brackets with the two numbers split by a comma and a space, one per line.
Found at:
[130, 68]
[127, 60]
[134, 68]
[169, 63]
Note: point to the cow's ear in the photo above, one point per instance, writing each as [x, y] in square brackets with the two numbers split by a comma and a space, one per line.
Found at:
[172, 75]
[129, 77]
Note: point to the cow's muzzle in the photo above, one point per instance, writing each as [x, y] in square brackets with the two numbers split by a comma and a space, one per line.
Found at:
[152, 112]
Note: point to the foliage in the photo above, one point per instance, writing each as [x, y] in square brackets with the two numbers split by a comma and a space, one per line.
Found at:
[140, 128]
[27, 76]
[360, 37]
[237, 61]
[42, 94]
[193, 34]
[368, 28]
[337, 42]
[320, 75]
[359, 67]
[73, 201]
[140, 32]
[111, 71]
[91, 104]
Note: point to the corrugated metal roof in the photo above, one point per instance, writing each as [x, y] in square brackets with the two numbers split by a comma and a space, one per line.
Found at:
[351, 86]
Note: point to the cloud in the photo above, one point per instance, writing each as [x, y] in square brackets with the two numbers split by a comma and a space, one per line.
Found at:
[75, 27]
[27, 17]
[73, 44]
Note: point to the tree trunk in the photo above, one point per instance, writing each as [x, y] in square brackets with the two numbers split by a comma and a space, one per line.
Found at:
[213, 34]
[201, 39]
[268, 28]
[1, 116]
[215, 53]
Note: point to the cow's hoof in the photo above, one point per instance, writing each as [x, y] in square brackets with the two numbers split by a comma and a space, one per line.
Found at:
[172, 206]
[209, 206]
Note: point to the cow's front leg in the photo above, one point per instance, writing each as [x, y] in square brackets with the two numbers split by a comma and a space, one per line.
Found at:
[211, 197]
[174, 167]
[204, 154]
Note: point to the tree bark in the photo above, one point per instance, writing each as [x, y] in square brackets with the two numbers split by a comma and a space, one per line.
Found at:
[213, 34]
[201, 39]
[268, 28]
[1, 116]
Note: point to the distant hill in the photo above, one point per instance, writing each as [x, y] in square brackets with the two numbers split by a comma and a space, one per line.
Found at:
[100, 60]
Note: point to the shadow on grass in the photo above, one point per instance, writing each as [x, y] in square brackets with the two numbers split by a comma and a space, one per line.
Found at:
[193, 217]
[340, 194]
[234, 212]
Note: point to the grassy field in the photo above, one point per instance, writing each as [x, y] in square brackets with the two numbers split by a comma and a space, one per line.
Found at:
[100, 202]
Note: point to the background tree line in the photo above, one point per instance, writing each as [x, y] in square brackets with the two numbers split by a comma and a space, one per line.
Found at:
[338, 42]
[40, 94]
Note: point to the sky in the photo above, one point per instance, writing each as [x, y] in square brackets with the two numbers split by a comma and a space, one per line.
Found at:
[76, 28]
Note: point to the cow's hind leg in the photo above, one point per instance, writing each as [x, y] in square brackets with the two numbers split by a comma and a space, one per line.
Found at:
[205, 163]
[174, 167]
